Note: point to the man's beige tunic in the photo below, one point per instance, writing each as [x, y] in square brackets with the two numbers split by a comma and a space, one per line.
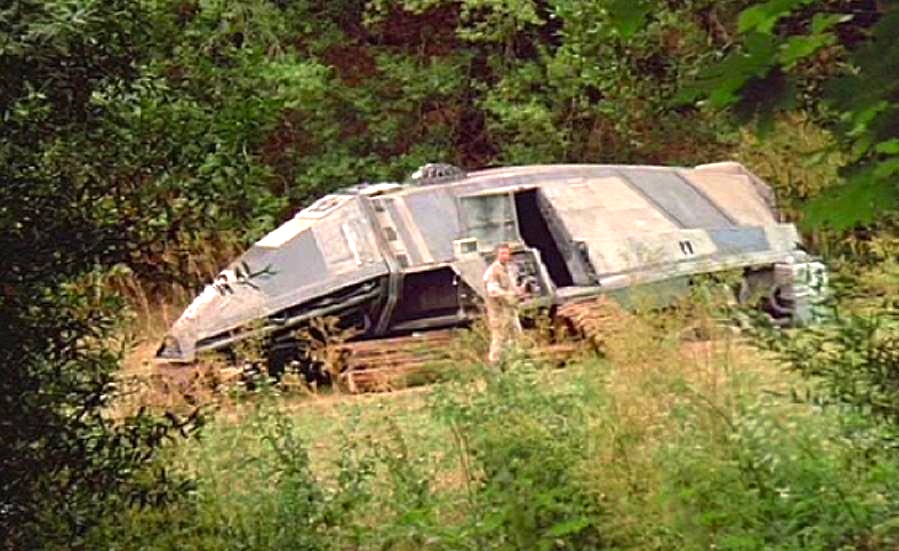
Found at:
[502, 312]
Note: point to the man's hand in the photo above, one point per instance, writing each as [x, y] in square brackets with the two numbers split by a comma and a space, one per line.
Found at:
[521, 293]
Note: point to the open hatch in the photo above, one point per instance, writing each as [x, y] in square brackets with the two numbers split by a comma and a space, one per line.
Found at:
[520, 216]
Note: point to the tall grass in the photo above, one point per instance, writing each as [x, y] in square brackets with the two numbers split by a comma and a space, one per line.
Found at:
[660, 444]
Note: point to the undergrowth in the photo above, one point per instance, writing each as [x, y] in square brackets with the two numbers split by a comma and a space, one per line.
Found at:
[659, 444]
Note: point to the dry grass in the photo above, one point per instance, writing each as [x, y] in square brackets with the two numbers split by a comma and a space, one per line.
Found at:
[652, 373]
[145, 383]
[663, 391]
[653, 394]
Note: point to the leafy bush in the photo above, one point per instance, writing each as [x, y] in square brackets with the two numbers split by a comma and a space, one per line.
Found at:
[854, 359]
[797, 157]
[259, 489]
[665, 445]
[64, 461]
[814, 52]
[520, 444]
[782, 480]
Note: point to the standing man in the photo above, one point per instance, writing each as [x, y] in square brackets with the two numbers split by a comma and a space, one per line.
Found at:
[502, 301]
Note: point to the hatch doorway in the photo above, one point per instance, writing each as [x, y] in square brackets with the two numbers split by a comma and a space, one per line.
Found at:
[534, 231]
[429, 294]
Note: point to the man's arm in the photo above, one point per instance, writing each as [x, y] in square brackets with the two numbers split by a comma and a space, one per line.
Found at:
[495, 290]
[520, 291]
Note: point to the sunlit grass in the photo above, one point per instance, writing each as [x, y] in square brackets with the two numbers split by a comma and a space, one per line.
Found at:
[680, 435]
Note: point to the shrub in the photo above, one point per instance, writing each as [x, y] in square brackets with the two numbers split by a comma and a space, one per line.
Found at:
[782, 480]
[520, 443]
[854, 359]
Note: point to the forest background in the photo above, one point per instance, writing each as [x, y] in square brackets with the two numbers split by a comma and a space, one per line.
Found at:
[146, 142]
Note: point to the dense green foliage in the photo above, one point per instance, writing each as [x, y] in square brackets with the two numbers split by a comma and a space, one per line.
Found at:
[856, 357]
[839, 58]
[63, 224]
[156, 137]
[207, 121]
[223, 115]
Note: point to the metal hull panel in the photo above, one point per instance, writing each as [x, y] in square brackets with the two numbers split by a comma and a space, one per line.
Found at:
[613, 226]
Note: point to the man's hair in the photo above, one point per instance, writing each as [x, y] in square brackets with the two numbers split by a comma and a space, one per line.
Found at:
[500, 246]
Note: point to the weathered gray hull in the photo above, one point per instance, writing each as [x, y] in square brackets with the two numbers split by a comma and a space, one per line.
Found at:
[404, 257]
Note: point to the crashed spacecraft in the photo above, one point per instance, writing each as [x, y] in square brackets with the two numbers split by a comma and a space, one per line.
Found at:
[393, 258]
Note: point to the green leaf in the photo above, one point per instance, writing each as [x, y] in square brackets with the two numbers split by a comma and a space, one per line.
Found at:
[723, 81]
[823, 21]
[687, 95]
[762, 17]
[861, 146]
[753, 18]
[725, 95]
[887, 169]
[890, 147]
[628, 16]
[571, 526]
[858, 201]
[800, 47]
